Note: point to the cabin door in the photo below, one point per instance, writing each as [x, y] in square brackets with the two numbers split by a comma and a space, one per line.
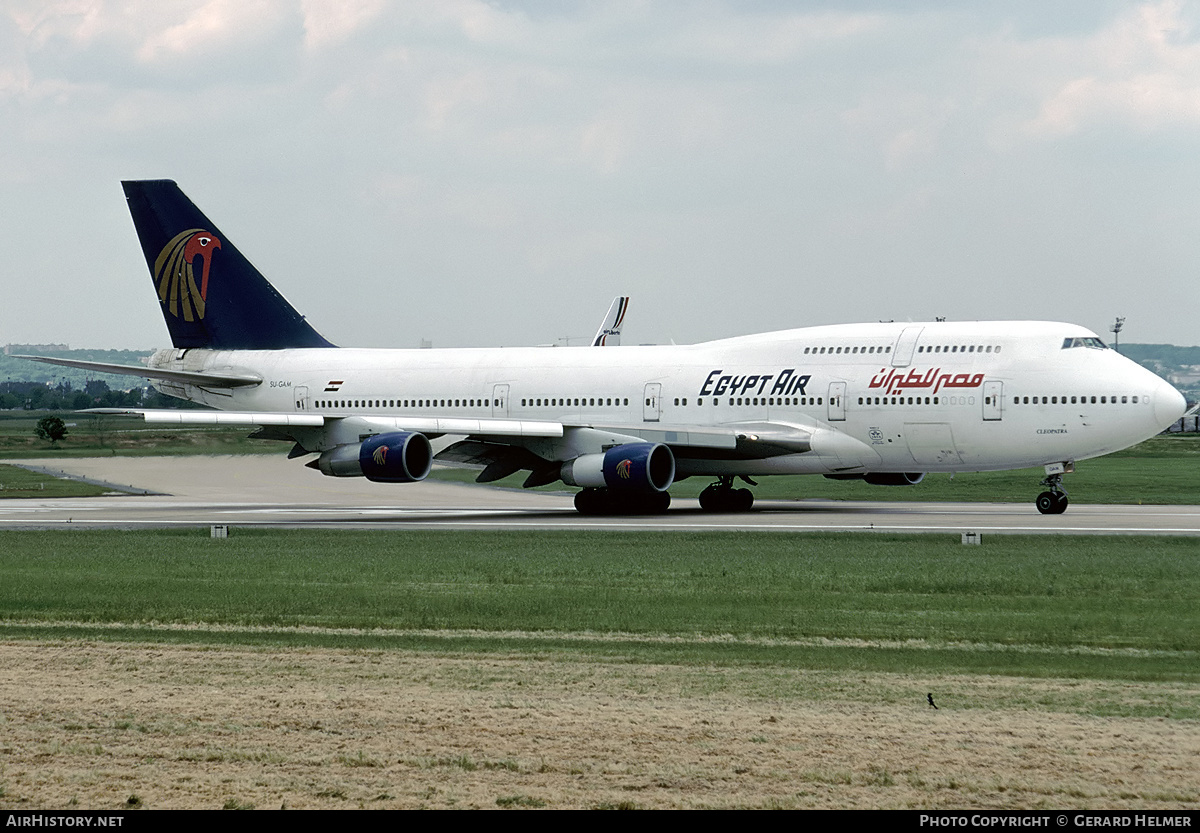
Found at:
[652, 403]
[837, 401]
[500, 401]
[301, 394]
[993, 400]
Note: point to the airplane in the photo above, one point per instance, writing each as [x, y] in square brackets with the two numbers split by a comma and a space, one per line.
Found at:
[881, 402]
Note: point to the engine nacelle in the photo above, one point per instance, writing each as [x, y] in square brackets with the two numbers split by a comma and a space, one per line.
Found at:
[908, 478]
[400, 457]
[634, 467]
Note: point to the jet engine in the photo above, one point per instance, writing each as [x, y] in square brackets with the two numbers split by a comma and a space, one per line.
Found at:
[400, 457]
[630, 468]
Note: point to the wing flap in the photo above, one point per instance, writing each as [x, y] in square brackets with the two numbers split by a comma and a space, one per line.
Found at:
[746, 439]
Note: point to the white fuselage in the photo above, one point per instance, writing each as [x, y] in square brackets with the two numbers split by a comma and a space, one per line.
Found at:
[924, 397]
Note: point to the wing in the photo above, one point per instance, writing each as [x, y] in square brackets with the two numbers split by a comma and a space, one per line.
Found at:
[501, 446]
[435, 426]
[702, 446]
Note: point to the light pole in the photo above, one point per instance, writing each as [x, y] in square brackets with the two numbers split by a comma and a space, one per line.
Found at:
[1116, 331]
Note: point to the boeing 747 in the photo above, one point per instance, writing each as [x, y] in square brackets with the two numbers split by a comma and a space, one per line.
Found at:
[884, 403]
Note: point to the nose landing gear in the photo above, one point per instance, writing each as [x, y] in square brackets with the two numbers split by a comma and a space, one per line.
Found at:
[1054, 501]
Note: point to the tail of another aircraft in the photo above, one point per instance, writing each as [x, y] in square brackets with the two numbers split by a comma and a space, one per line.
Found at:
[211, 296]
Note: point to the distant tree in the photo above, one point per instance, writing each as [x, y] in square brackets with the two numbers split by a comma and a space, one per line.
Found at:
[50, 428]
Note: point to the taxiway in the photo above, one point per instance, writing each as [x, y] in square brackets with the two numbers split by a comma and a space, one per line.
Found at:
[264, 491]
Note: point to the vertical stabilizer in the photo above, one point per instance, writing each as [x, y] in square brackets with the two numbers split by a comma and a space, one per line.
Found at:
[609, 334]
[210, 295]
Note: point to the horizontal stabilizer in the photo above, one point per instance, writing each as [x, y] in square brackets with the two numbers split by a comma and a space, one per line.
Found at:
[181, 377]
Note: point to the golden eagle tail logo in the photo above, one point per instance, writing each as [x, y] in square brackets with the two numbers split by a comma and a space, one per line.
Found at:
[380, 455]
[175, 276]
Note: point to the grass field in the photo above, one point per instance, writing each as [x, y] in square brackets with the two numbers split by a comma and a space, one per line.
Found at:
[93, 436]
[1089, 607]
[597, 670]
[17, 483]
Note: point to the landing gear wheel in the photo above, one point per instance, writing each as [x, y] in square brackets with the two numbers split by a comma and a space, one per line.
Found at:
[710, 499]
[722, 497]
[1046, 502]
[1054, 500]
[592, 502]
[658, 503]
[1052, 503]
[604, 502]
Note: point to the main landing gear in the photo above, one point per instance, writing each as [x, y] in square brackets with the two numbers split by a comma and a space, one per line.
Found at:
[1053, 501]
[722, 497]
[607, 502]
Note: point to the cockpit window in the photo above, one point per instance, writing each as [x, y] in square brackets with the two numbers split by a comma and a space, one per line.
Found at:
[1084, 342]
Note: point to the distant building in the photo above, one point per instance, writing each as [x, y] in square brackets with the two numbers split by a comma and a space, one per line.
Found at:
[1186, 376]
[35, 349]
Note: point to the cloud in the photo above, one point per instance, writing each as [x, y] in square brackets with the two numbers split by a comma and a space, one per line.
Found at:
[1142, 72]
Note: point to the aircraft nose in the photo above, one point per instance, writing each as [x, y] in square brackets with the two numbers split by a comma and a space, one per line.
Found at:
[1169, 405]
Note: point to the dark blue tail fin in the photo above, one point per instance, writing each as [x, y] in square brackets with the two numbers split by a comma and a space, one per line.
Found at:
[211, 296]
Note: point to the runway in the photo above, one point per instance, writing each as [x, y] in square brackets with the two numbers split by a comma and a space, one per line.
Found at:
[263, 491]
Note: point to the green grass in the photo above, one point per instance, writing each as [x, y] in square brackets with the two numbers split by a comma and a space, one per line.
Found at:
[1162, 470]
[90, 436]
[1088, 606]
[19, 483]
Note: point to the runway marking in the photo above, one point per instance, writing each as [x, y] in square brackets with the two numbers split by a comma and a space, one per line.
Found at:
[451, 523]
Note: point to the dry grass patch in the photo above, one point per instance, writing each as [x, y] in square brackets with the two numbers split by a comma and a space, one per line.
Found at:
[92, 724]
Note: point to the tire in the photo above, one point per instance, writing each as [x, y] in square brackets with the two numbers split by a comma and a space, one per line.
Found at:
[591, 502]
[1047, 504]
[658, 503]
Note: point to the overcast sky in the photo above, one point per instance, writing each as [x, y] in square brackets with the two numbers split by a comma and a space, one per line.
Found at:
[480, 173]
